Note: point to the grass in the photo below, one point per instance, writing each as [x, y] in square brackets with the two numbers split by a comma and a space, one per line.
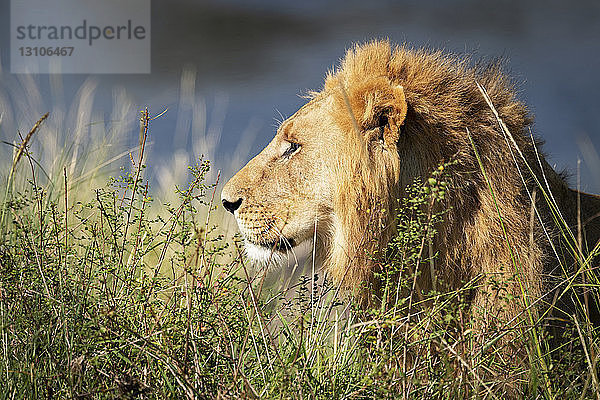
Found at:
[108, 292]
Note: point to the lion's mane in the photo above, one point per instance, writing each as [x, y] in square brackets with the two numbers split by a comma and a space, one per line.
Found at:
[498, 225]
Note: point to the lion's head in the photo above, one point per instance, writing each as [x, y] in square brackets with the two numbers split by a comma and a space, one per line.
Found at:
[338, 152]
[336, 168]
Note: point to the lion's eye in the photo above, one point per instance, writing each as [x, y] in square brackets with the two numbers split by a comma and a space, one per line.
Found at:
[294, 147]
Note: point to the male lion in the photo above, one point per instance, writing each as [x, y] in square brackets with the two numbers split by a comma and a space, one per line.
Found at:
[389, 115]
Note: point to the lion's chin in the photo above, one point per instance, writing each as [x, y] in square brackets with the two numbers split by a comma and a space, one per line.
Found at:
[274, 255]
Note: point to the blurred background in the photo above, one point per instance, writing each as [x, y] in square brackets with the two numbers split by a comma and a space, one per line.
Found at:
[227, 71]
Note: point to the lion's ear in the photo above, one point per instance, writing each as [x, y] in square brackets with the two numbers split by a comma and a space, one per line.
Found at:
[385, 108]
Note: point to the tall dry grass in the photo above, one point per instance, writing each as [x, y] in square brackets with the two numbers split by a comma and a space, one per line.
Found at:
[115, 285]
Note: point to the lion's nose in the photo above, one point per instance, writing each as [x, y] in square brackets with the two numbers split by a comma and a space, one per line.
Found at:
[231, 206]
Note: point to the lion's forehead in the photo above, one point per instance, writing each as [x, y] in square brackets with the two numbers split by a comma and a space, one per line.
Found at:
[309, 119]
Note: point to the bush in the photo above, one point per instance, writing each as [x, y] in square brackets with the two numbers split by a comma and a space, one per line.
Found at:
[107, 298]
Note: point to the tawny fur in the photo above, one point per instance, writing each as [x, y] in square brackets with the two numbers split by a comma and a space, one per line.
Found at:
[445, 105]
[344, 182]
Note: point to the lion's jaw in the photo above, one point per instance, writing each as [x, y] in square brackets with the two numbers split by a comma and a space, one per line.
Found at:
[286, 190]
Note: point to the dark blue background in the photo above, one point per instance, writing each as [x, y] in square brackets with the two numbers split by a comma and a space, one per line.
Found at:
[253, 58]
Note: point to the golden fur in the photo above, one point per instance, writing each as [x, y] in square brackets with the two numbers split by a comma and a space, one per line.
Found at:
[389, 115]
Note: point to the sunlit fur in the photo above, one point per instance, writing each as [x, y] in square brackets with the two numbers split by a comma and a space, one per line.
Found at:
[343, 176]
[348, 175]
[268, 258]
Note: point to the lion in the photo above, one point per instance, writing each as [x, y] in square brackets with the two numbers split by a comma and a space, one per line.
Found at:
[389, 115]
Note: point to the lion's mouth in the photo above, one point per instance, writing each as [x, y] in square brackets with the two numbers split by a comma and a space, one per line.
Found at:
[283, 244]
[275, 253]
